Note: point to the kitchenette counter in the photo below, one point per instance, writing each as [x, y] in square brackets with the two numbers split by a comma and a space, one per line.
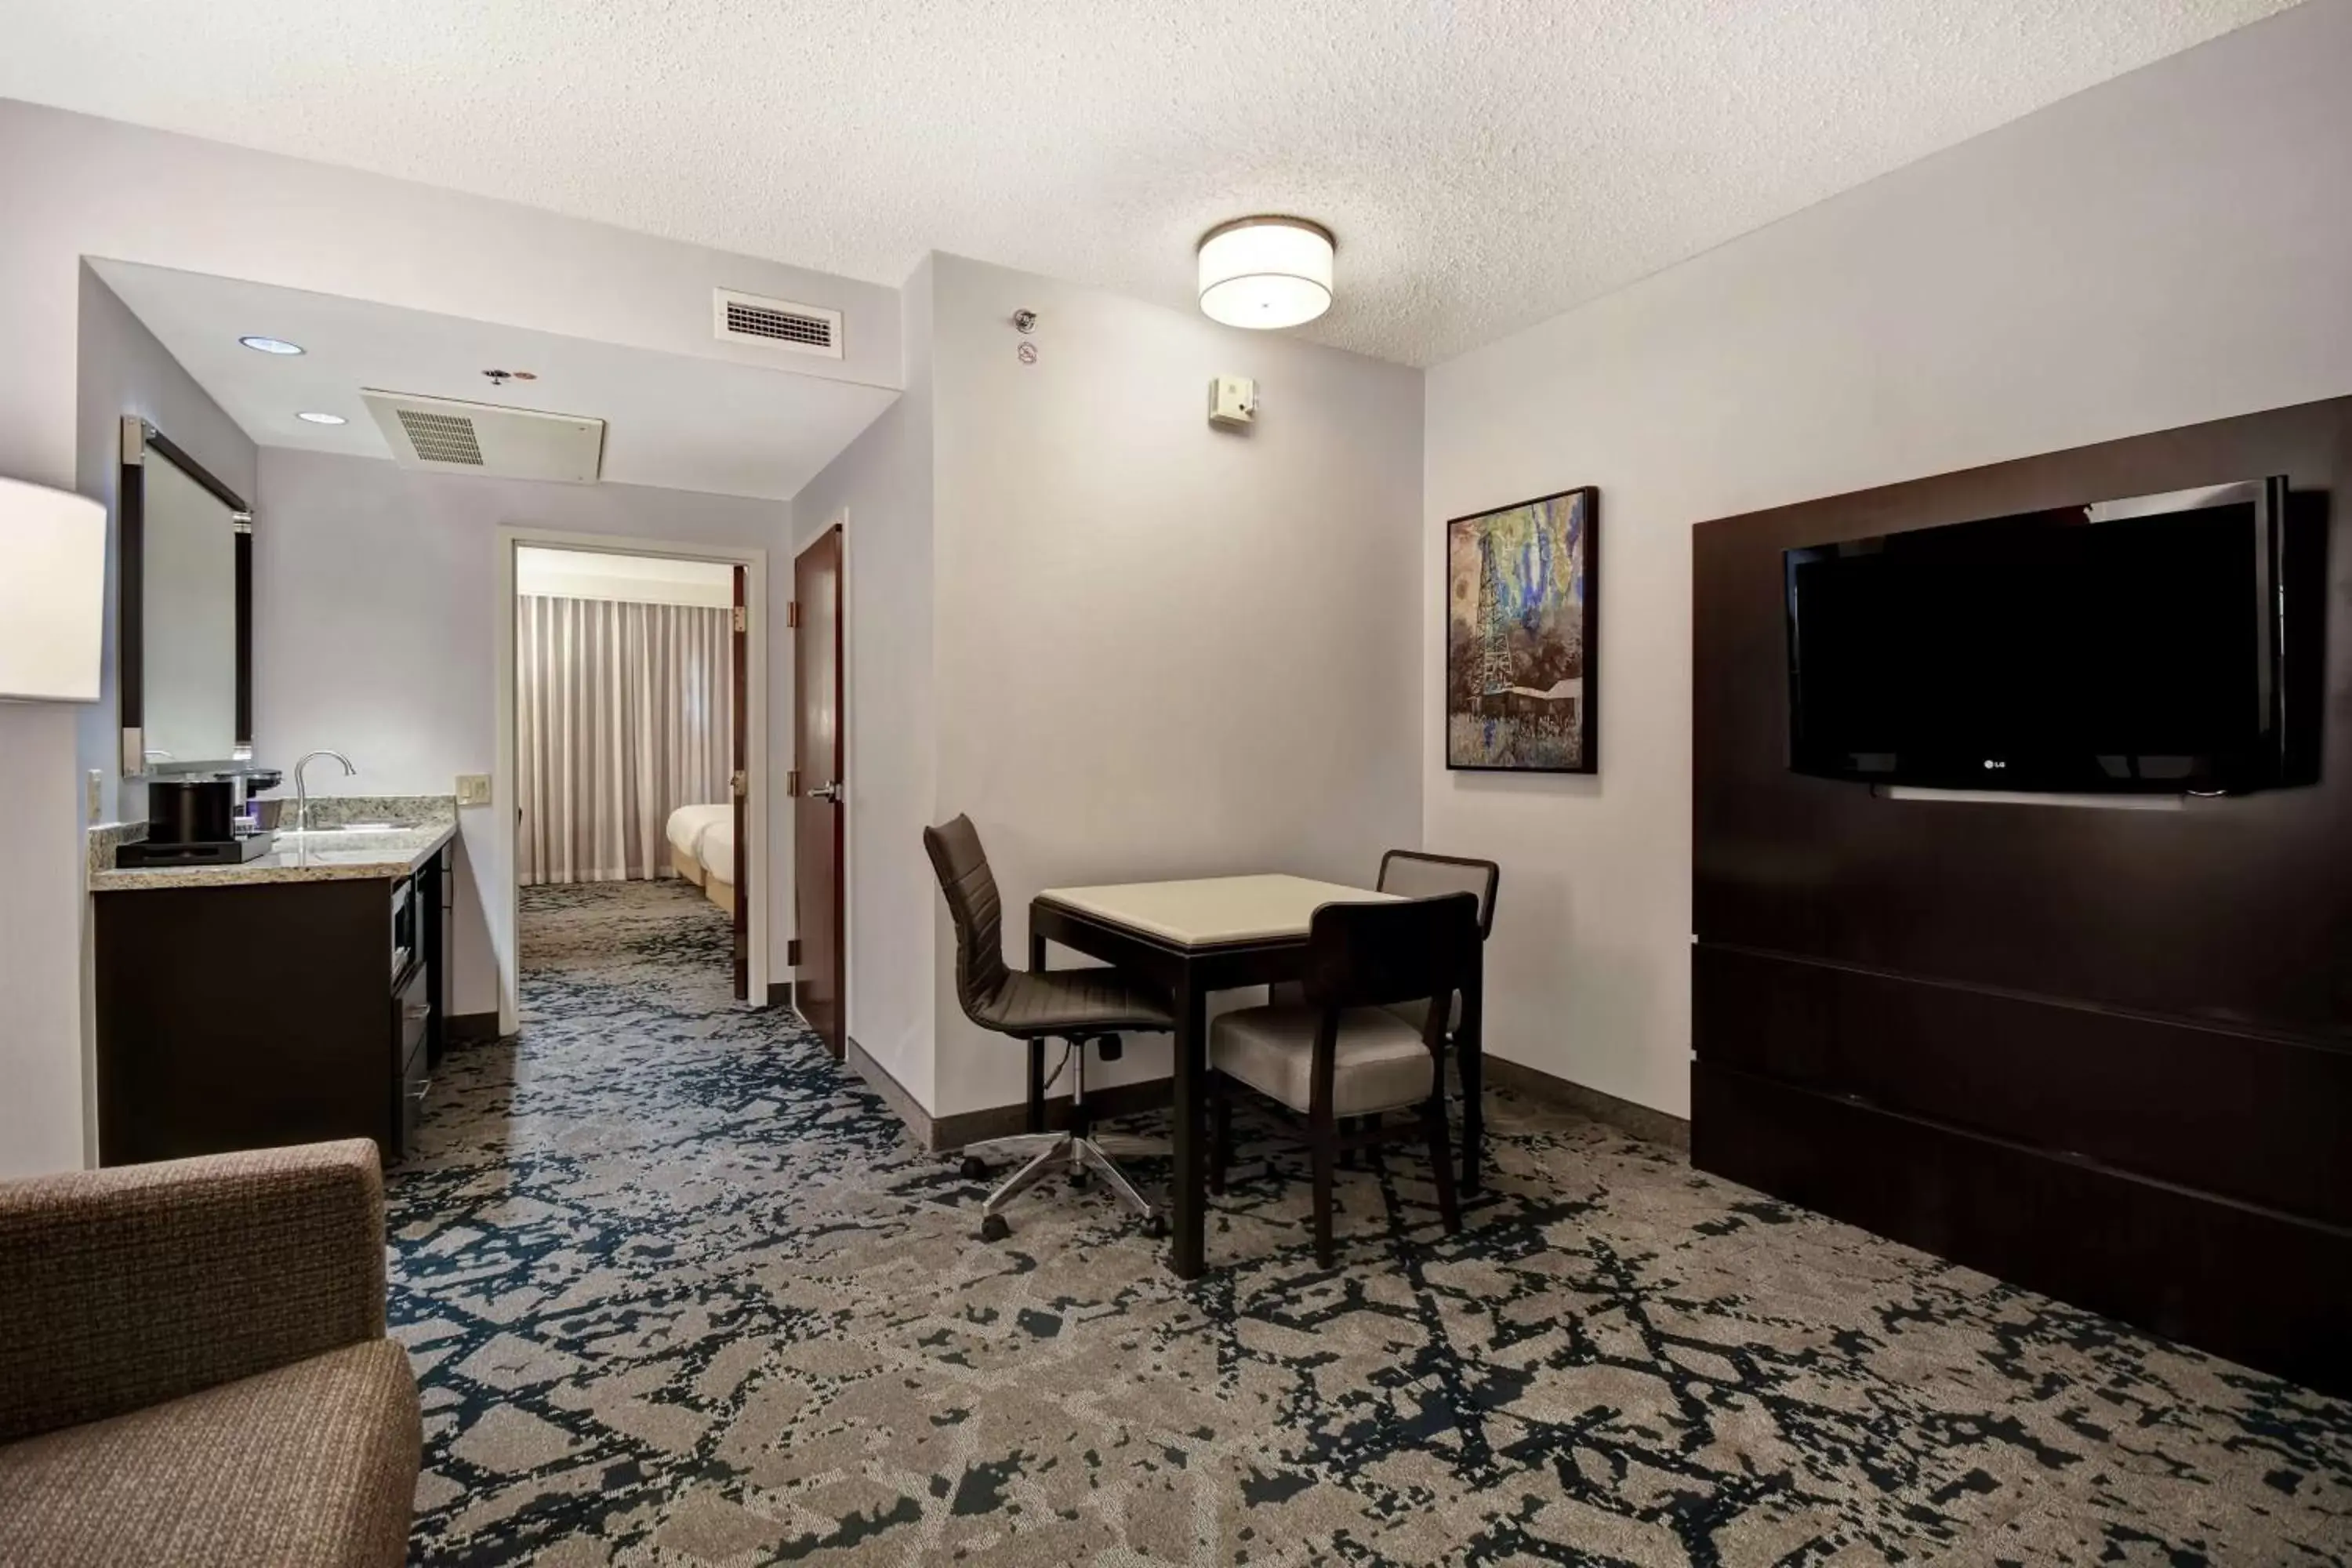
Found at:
[322, 854]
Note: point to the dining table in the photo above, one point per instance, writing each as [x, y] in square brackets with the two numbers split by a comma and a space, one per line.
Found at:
[1196, 937]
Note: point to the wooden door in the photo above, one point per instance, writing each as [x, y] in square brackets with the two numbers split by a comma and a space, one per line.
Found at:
[739, 786]
[821, 745]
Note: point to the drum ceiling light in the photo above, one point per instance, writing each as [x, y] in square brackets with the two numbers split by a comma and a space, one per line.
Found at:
[1265, 272]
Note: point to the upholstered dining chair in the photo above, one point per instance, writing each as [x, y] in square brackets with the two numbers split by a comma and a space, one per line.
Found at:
[1077, 1006]
[1417, 874]
[1345, 1051]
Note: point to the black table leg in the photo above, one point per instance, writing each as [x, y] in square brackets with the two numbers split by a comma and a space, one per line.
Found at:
[1188, 1194]
[1035, 1120]
[1472, 1045]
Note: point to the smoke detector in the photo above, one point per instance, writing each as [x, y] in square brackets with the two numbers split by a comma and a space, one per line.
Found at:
[444, 434]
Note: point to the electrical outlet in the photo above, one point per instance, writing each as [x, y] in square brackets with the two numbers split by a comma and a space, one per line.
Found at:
[97, 792]
[473, 789]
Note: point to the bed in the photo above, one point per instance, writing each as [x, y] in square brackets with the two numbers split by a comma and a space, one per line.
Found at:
[717, 854]
[688, 826]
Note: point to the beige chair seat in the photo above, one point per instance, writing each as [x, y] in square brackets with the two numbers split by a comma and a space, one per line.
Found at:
[311, 1466]
[1379, 1063]
[1416, 1014]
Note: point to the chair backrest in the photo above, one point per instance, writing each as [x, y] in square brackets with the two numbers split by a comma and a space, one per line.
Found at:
[1370, 955]
[1415, 874]
[974, 907]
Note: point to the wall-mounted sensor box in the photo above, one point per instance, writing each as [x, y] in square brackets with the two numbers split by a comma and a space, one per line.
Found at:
[1232, 401]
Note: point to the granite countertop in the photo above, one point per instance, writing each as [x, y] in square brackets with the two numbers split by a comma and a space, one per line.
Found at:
[342, 856]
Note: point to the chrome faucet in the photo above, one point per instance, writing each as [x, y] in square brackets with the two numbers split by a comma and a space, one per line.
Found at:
[302, 791]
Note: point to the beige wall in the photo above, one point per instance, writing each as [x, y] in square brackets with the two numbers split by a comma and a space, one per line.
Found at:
[1125, 644]
[375, 633]
[880, 490]
[72, 186]
[2165, 249]
[1163, 649]
[122, 369]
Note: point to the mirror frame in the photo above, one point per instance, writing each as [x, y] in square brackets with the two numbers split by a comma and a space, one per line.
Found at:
[140, 440]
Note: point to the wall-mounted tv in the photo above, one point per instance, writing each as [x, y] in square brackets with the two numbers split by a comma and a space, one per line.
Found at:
[2127, 645]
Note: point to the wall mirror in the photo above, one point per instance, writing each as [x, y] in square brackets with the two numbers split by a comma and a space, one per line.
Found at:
[186, 621]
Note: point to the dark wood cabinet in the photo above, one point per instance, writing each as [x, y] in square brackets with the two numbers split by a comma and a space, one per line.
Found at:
[259, 1013]
[2106, 1054]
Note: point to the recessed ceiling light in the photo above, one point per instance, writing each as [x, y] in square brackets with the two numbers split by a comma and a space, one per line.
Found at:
[271, 345]
[318, 418]
[1265, 272]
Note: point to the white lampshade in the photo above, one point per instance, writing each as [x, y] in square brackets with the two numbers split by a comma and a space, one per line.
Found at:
[1265, 272]
[52, 593]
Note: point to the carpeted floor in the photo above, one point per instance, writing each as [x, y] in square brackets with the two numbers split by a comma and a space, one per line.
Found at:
[679, 1292]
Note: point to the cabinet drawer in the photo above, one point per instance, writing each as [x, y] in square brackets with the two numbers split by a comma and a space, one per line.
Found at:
[411, 1014]
[415, 1085]
[412, 1010]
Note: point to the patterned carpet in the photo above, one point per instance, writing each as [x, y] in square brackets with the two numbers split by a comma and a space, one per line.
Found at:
[679, 1292]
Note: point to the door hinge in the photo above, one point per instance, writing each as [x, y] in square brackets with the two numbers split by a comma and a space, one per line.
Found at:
[737, 785]
[791, 951]
[742, 619]
[793, 616]
[792, 785]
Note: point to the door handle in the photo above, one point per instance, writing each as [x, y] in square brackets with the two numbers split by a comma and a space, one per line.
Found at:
[831, 792]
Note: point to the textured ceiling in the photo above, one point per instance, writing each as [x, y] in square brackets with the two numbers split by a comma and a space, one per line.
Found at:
[1484, 166]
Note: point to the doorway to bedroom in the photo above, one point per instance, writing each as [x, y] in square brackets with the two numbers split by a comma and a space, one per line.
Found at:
[629, 725]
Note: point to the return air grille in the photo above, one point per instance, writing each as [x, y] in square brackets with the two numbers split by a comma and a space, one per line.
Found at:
[776, 323]
[450, 434]
[440, 439]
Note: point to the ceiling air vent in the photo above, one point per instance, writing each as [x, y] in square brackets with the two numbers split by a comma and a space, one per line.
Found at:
[448, 435]
[441, 438]
[775, 324]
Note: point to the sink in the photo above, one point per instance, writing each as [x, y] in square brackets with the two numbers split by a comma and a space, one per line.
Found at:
[340, 828]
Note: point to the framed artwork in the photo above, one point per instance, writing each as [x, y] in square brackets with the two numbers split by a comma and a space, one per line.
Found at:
[1521, 635]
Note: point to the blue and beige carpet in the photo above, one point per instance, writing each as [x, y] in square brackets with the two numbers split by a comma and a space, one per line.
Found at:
[680, 1292]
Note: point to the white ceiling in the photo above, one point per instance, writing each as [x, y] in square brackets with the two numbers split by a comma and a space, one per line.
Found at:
[1484, 165]
[671, 420]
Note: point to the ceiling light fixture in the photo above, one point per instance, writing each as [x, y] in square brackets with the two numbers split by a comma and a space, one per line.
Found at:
[271, 345]
[317, 418]
[1265, 272]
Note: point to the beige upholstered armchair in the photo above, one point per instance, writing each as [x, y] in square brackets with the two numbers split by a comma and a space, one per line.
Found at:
[193, 1369]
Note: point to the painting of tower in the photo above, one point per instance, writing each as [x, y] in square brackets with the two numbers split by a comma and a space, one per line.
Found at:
[1520, 636]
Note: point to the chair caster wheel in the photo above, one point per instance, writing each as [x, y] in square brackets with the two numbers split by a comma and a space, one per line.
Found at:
[1156, 1227]
[993, 1228]
[972, 1169]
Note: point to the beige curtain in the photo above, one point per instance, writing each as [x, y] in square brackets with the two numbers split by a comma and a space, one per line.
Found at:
[622, 715]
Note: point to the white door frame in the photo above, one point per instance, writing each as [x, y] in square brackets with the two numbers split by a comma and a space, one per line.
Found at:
[753, 559]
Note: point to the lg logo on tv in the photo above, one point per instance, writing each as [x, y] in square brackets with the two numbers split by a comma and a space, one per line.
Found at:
[1990, 763]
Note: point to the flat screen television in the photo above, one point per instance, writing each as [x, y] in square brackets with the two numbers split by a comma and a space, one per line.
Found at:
[2127, 645]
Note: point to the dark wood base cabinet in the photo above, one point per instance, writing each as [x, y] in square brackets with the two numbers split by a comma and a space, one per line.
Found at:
[257, 1014]
[2253, 1284]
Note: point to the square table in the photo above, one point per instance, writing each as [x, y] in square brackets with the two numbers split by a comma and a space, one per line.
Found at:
[1220, 933]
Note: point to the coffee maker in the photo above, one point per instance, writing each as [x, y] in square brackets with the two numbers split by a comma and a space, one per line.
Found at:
[200, 819]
